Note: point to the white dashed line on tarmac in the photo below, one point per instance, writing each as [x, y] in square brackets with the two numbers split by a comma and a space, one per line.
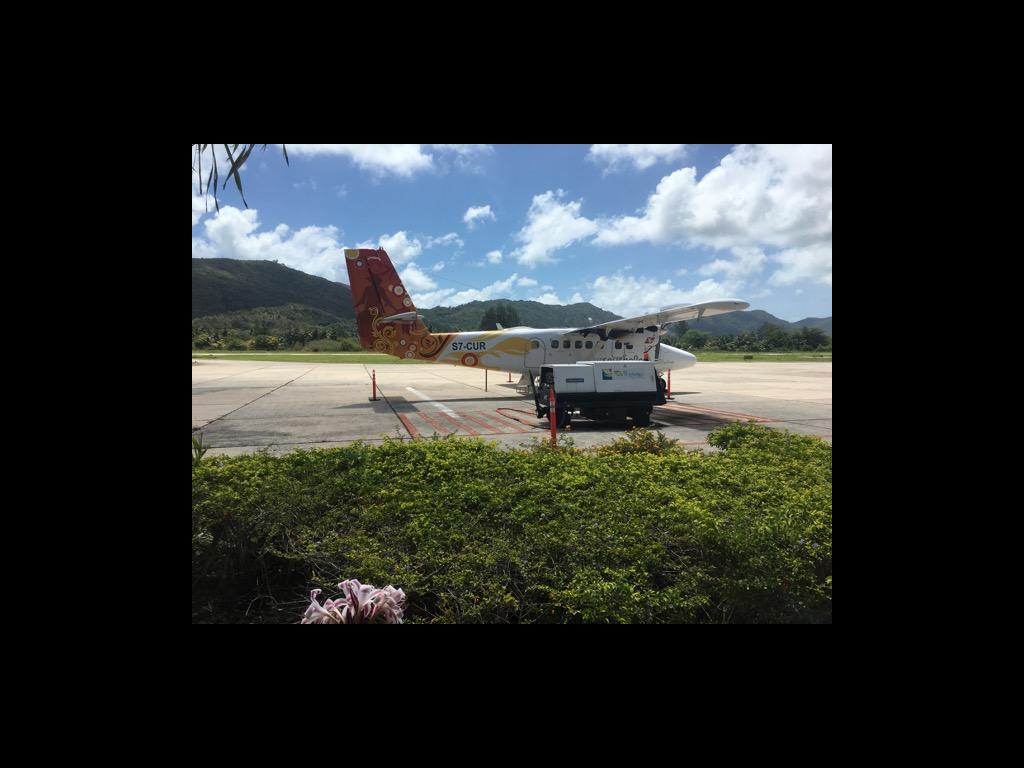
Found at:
[440, 406]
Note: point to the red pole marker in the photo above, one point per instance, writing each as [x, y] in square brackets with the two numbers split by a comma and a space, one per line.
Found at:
[668, 393]
[374, 379]
[510, 375]
[552, 416]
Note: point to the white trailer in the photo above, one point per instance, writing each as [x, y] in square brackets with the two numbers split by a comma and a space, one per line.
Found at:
[603, 390]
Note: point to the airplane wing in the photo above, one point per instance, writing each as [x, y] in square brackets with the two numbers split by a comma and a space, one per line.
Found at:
[657, 320]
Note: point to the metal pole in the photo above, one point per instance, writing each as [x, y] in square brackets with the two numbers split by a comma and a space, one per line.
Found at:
[485, 379]
[553, 416]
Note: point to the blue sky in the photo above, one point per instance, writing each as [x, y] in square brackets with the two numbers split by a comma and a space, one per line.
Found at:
[628, 227]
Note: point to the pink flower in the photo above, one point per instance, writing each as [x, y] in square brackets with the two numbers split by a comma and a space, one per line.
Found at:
[359, 604]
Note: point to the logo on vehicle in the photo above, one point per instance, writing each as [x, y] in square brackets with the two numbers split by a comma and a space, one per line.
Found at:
[470, 359]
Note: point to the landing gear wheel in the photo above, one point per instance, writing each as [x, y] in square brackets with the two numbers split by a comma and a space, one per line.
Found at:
[641, 418]
[564, 418]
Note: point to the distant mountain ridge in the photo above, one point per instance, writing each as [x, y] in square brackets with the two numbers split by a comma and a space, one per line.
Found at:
[734, 323]
[228, 285]
[221, 286]
[825, 323]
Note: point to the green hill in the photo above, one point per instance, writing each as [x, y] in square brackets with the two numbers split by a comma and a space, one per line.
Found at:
[272, 320]
[228, 285]
[467, 317]
[825, 323]
[737, 322]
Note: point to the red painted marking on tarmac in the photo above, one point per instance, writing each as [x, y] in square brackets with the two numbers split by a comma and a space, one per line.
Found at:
[434, 424]
[491, 429]
[535, 425]
[408, 425]
[461, 426]
[505, 422]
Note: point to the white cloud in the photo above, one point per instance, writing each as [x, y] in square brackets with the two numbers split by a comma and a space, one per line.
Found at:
[399, 247]
[551, 225]
[437, 267]
[811, 263]
[629, 296]
[494, 257]
[465, 157]
[682, 271]
[232, 234]
[449, 239]
[745, 262]
[759, 196]
[476, 214]
[640, 156]
[547, 298]
[415, 279]
[399, 159]
[449, 297]
[201, 205]
[577, 298]
[526, 282]
[465, 149]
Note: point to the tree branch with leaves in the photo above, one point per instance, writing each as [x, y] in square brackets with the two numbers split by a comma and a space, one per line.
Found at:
[236, 155]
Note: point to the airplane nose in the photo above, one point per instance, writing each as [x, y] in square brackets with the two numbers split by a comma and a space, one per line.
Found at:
[675, 358]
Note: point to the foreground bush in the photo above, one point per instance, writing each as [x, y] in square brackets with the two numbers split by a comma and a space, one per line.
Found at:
[640, 531]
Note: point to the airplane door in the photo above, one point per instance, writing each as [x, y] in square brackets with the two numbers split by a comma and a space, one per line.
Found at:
[535, 354]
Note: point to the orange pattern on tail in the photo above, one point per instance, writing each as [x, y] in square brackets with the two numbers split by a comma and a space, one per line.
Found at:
[378, 294]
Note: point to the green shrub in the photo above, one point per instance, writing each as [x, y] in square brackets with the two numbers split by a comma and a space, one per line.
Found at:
[641, 440]
[198, 449]
[641, 531]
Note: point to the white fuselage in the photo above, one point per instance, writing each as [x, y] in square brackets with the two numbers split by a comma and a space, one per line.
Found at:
[521, 349]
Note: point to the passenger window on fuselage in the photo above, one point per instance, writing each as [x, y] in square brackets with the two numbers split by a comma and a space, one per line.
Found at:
[590, 345]
[618, 345]
[534, 345]
[578, 345]
[554, 343]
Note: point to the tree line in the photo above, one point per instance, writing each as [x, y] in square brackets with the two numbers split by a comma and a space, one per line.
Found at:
[337, 337]
[768, 338]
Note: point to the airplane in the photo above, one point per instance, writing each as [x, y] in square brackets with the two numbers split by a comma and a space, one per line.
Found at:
[388, 322]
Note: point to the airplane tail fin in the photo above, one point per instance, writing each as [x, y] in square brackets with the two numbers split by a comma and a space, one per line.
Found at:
[385, 314]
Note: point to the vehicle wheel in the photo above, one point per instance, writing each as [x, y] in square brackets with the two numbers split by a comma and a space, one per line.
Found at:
[563, 418]
[641, 418]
